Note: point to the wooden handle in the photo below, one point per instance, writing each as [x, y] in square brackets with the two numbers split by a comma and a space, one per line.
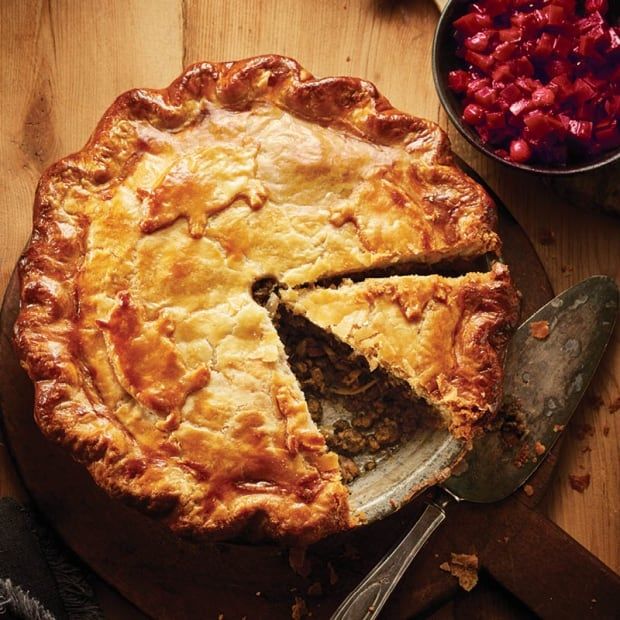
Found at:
[549, 571]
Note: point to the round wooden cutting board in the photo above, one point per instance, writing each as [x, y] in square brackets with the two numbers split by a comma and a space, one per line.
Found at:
[167, 577]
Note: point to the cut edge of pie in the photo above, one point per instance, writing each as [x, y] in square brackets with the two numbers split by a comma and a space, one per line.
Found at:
[445, 337]
[50, 332]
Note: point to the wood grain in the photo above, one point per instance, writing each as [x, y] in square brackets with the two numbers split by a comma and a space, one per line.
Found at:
[62, 63]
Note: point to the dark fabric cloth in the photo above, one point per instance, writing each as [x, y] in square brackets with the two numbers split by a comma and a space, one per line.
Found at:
[22, 560]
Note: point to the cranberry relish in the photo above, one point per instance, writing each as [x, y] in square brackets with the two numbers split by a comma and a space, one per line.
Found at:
[542, 83]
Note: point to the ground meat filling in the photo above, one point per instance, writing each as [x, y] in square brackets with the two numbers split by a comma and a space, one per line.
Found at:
[364, 415]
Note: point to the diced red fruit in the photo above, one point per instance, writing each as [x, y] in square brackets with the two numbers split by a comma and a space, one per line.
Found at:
[543, 97]
[599, 6]
[600, 34]
[519, 91]
[562, 46]
[511, 34]
[486, 97]
[596, 39]
[510, 94]
[503, 73]
[565, 120]
[504, 51]
[520, 151]
[528, 84]
[614, 41]
[523, 66]
[587, 45]
[529, 22]
[478, 42]
[471, 23]
[555, 15]
[520, 106]
[581, 130]
[481, 61]
[458, 80]
[476, 84]
[544, 46]
[591, 21]
[539, 125]
[473, 114]
[494, 7]
[562, 87]
[496, 120]
[583, 91]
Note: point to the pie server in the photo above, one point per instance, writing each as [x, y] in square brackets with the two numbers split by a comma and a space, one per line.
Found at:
[544, 382]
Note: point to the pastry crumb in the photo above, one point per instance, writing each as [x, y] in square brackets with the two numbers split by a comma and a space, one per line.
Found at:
[558, 428]
[539, 329]
[299, 609]
[522, 456]
[463, 566]
[579, 483]
[528, 489]
[539, 448]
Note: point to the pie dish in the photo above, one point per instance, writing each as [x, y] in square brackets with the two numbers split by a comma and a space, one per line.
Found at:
[152, 361]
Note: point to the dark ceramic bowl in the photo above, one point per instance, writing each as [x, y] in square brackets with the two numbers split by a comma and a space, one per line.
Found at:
[445, 60]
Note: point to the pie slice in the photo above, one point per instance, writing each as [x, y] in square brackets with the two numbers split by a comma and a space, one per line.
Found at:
[152, 362]
[444, 337]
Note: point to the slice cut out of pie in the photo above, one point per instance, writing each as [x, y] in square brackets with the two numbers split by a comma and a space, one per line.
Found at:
[152, 362]
[445, 337]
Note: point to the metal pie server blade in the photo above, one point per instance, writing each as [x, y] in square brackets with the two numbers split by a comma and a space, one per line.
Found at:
[545, 378]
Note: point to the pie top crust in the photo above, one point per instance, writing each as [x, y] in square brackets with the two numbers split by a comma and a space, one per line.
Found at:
[152, 363]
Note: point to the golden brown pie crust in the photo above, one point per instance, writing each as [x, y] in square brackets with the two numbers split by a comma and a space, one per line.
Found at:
[152, 364]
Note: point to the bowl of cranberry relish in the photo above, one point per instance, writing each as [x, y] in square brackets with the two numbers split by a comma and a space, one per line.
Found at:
[534, 84]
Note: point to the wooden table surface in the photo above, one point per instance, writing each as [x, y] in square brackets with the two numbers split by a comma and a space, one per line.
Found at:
[63, 63]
